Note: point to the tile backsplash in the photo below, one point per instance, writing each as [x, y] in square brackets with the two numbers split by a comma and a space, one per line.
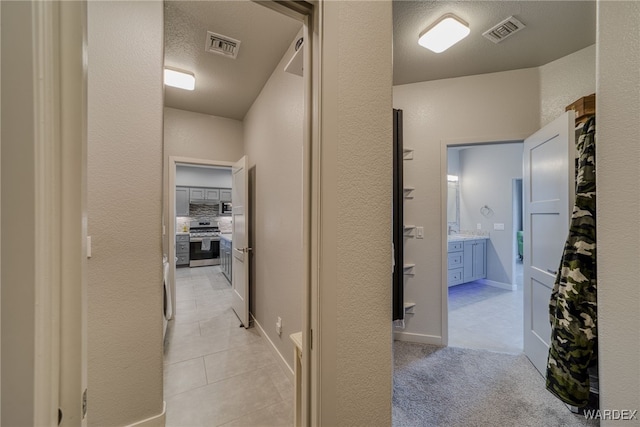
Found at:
[197, 212]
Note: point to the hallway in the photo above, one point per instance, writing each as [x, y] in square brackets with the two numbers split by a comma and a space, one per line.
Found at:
[215, 372]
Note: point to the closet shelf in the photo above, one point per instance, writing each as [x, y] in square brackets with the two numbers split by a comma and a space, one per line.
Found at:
[408, 269]
[408, 307]
[407, 192]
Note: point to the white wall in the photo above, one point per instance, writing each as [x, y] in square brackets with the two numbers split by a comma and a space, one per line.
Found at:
[201, 136]
[355, 218]
[190, 176]
[273, 144]
[565, 80]
[198, 136]
[618, 157]
[486, 178]
[460, 110]
[125, 201]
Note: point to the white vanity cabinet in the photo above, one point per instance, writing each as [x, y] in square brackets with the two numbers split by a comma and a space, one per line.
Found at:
[467, 260]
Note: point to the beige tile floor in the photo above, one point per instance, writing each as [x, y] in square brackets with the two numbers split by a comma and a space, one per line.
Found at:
[217, 373]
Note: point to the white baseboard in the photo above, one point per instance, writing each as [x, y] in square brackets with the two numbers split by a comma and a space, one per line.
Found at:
[419, 338]
[506, 286]
[155, 421]
[281, 360]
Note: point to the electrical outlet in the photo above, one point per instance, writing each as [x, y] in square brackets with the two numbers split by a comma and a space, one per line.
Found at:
[279, 326]
[479, 226]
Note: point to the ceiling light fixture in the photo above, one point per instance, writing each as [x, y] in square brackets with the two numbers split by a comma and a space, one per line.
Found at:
[179, 79]
[444, 33]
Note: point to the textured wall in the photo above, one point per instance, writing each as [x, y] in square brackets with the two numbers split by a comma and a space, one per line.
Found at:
[124, 185]
[486, 178]
[198, 136]
[618, 157]
[565, 80]
[18, 233]
[356, 176]
[486, 107]
[201, 136]
[273, 144]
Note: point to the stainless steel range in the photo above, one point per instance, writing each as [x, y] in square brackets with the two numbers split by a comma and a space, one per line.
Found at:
[204, 243]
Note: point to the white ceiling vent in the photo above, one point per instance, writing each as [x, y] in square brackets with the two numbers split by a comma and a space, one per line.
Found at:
[222, 45]
[503, 30]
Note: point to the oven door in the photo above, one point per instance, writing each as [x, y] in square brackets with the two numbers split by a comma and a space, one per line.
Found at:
[199, 257]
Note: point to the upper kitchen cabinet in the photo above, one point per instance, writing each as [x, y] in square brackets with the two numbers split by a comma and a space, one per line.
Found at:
[204, 195]
[182, 201]
[212, 195]
[225, 195]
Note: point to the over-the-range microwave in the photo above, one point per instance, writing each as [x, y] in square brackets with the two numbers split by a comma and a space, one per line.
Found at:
[225, 208]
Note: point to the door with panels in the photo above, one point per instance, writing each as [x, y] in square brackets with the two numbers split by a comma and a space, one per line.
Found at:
[548, 182]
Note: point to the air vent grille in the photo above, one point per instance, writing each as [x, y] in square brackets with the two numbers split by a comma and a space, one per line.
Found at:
[222, 45]
[503, 30]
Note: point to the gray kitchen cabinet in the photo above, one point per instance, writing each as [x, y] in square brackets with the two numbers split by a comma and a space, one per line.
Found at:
[225, 194]
[475, 260]
[196, 195]
[225, 256]
[182, 250]
[182, 201]
[212, 195]
[202, 195]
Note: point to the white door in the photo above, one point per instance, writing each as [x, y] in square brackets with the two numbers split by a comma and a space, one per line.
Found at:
[241, 249]
[548, 186]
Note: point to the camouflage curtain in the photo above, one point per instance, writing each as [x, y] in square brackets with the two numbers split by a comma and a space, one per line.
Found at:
[572, 309]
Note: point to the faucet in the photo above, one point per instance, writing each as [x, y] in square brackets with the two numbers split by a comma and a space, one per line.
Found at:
[451, 230]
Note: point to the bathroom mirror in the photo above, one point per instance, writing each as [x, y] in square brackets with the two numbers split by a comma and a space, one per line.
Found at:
[452, 203]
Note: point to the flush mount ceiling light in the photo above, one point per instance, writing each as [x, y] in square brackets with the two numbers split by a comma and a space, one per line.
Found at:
[444, 33]
[179, 79]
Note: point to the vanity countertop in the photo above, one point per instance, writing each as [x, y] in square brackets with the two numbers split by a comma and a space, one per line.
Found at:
[462, 237]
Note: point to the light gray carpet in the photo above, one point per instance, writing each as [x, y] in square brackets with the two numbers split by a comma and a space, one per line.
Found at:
[448, 386]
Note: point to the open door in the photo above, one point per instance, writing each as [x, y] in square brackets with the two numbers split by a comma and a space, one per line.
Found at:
[241, 249]
[548, 187]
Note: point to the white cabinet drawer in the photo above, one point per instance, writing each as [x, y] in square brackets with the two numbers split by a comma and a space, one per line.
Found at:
[455, 260]
[455, 276]
[455, 246]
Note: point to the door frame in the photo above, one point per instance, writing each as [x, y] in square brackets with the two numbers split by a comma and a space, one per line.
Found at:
[445, 144]
[174, 161]
[309, 13]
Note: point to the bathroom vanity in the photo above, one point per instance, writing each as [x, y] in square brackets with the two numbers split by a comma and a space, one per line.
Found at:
[467, 259]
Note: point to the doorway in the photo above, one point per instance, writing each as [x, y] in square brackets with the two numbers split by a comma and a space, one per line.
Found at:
[484, 215]
[213, 359]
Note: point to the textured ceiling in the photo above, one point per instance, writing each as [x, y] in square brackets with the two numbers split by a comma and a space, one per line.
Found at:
[224, 87]
[227, 87]
[553, 29]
